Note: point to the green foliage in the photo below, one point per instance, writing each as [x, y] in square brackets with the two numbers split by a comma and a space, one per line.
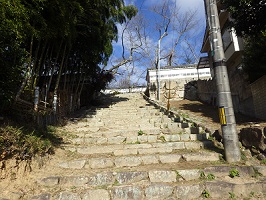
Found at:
[209, 177]
[12, 56]
[206, 194]
[140, 132]
[232, 195]
[22, 143]
[249, 16]
[255, 57]
[250, 23]
[40, 38]
[162, 138]
[234, 173]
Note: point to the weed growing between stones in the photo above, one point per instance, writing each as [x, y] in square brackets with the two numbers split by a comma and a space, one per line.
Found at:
[232, 195]
[234, 173]
[162, 138]
[205, 194]
[140, 132]
[252, 194]
[116, 183]
[243, 156]
[263, 162]
[209, 177]
[178, 176]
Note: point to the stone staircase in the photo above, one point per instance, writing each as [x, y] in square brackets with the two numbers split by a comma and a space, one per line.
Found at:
[131, 150]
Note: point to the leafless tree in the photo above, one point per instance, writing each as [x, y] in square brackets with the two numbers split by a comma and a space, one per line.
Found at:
[176, 24]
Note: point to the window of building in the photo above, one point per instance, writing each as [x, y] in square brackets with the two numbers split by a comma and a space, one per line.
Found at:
[226, 36]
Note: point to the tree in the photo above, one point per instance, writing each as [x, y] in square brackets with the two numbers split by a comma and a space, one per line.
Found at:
[57, 45]
[254, 58]
[249, 16]
[12, 55]
[249, 22]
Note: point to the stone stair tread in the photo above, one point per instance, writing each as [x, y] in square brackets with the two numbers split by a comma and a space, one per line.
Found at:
[129, 149]
[158, 184]
[144, 148]
[129, 159]
[134, 137]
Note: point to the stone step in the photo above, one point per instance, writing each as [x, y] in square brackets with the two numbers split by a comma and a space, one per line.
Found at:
[141, 149]
[135, 137]
[127, 159]
[157, 184]
[119, 115]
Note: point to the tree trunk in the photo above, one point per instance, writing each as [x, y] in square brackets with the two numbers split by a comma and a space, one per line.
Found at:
[27, 74]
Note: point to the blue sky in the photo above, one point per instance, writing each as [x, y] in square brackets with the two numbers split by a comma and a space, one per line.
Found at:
[192, 40]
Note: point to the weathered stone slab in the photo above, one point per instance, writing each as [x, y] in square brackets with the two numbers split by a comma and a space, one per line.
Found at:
[116, 140]
[155, 150]
[101, 179]
[173, 145]
[74, 180]
[149, 159]
[152, 138]
[194, 137]
[158, 192]
[75, 164]
[124, 152]
[49, 181]
[93, 129]
[77, 141]
[261, 170]
[99, 194]
[185, 137]
[162, 176]
[169, 158]
[172, 138]
[193, 145]
[127, 193]
[137, 146]
[246, 189]
[189, 174]
[99, 163]
[41, 197]
[201, 156]
[68, 196]
[98, 149]
[189, 192]
[143, 138]
[218, 189]
[101, 140]
[15, 195]
[127, 161]
[131, 177]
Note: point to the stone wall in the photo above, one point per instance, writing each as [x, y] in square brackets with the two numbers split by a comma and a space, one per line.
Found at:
[177, 89]
[258, 89]
[241, 96]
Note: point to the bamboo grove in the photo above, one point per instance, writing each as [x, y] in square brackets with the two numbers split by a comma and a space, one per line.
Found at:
[57, 46]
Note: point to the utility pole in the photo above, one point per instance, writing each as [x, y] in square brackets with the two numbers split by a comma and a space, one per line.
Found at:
[226, 111]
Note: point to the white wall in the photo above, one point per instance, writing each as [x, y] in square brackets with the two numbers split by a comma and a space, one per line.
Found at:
[188, 73]
[127, 90]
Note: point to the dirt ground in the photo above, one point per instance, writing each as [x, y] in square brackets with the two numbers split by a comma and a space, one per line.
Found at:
[208, 115]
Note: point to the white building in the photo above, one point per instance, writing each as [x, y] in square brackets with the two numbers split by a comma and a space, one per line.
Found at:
[190, 73]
